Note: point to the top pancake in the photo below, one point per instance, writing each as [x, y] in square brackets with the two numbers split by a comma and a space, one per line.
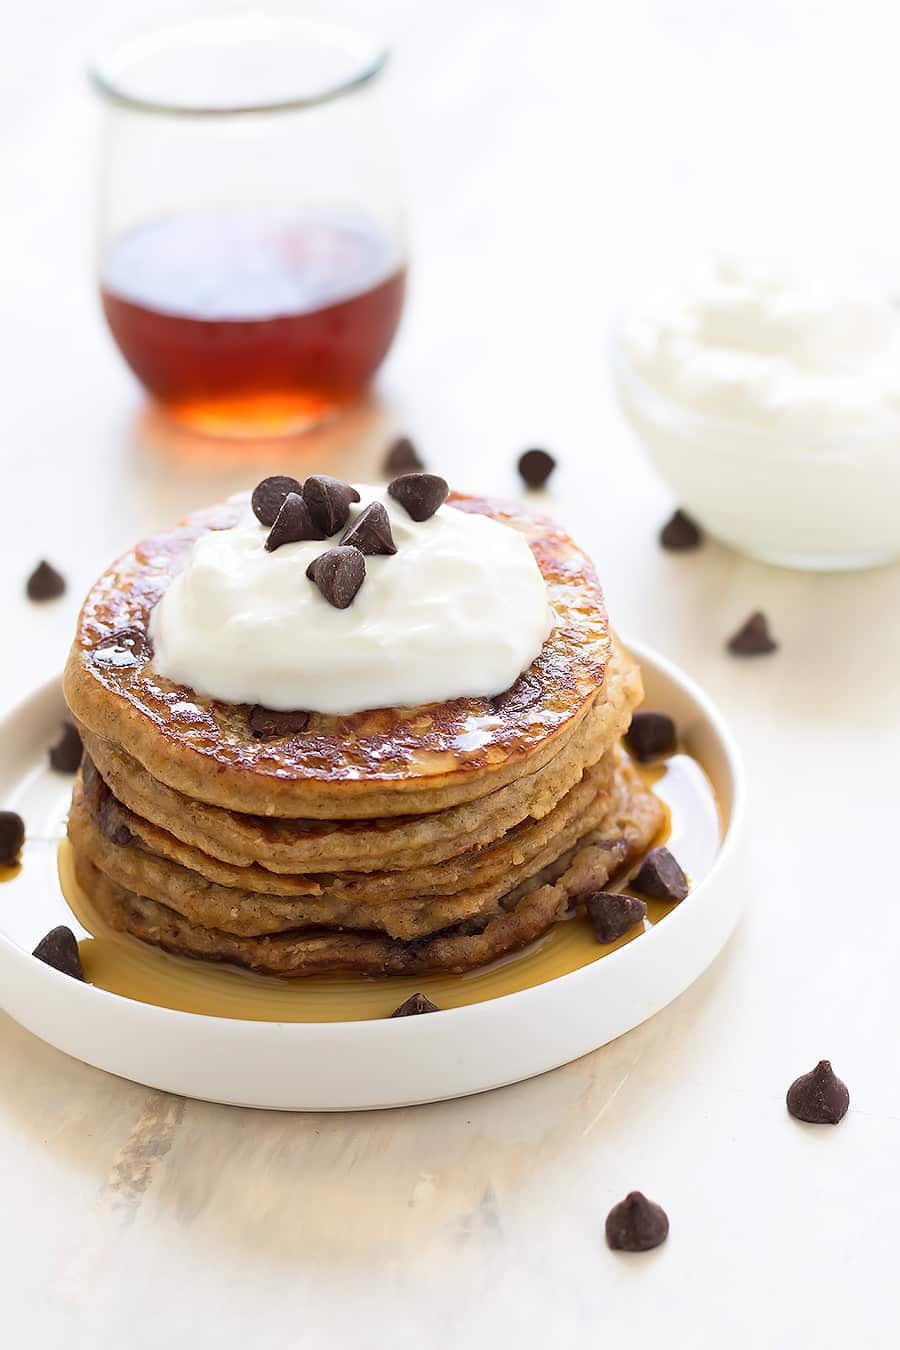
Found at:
[385, 762]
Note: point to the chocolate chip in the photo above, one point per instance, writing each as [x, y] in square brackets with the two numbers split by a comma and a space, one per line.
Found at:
[651, 734]
[292, 524]
[636, 1224]
[818, 1097]
[420, 494]
[268, 497]
[415, 1004]
[680, 534]
[329, 501]
[126, 647]
[267, 724]
[371, 532]
[753, 637]
[660, 877]
[45, 583]
[65, 756]
[339, 573]
[59, 949]
[402, 457]
[535, 467]
[12, 836]
[612, 915]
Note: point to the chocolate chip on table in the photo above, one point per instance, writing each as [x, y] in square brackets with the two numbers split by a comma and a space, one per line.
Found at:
[371, 532]
[45, 583]
[414, 1005]
[339, 573]
[651, 734]
[268, 496]
[753, 637]
[12, 836]
[680, 534]
[636, 1224]
[125, 647]
[660, 877]
[65, 756]
[59, 949]
[420, 494]
[612, 915]
[535, 467]
[267, 724]
[329, 501]
[818, 1097]
[402, 457]
[292, 524]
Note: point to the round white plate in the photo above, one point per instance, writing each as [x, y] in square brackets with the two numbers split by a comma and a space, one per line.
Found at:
[340, 1066]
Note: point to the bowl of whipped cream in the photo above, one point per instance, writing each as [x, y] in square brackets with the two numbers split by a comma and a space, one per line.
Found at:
[768, 397]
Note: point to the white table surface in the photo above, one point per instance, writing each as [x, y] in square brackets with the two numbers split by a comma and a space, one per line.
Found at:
[552, 151]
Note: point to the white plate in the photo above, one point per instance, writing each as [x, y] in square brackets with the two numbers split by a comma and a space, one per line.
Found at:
[338, 1066]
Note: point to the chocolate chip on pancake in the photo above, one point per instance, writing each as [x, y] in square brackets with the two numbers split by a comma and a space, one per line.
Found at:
[636, 1224]
[535, 467]
[660, 877]
[268, 724]
[612, 915]
[65, 756]
[329, 501]
[402, 457]
[125, 647]
[45, 583]
[371, 532]
[420, 494]
[680, 534]
[12, 836]
[268, 497]
[59, 949]
[818, 1097]
[753, 637]
[292, 524]
[414, 1005]
[339, 573]
[651, 734]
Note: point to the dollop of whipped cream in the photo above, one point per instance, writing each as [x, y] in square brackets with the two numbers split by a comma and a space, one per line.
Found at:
[768, 344]
[460, 610]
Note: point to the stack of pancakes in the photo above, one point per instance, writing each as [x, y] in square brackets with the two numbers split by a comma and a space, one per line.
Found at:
[395, 841]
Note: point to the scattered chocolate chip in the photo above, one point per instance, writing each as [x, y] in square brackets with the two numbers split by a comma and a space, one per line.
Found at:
[535, 467]
[818, 1097]
[59, 949]
[65, 756]
[420, 494]
[12, 836]
[126, 647]
[651, 734]
[636, 1224]
[680, 534]
[339, 573]
[45, 583]
[329, 501]
[292, 524]
[660, 877]
[415, 1004]
[612, 915]
[402, 457]
[371, 532]
[267, 724]
[268, 497]
[753, 637]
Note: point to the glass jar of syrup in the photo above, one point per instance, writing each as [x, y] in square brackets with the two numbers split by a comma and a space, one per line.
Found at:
[252, 255]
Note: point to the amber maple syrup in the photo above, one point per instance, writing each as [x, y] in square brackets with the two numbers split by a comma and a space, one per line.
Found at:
[255, 321]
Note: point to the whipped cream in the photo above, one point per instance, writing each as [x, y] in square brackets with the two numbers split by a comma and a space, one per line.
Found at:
[460, 610]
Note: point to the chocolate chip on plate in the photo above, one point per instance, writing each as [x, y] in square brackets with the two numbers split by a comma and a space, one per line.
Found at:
[65, 756]
[371, 532]
[818, 1097]
[329, 501]
[339, 573]
[45, 583]
[415, 1004]
[125, 647]
[12, 836]
[268, 496]
[680, 534]
[59, 949]
[651, 734]
[535, 467]
[292, 524]
[612, 915]
[420, 494]
[660, 877]
[267, 724]
[402, 457]
[753, 637]
[636, 1224]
